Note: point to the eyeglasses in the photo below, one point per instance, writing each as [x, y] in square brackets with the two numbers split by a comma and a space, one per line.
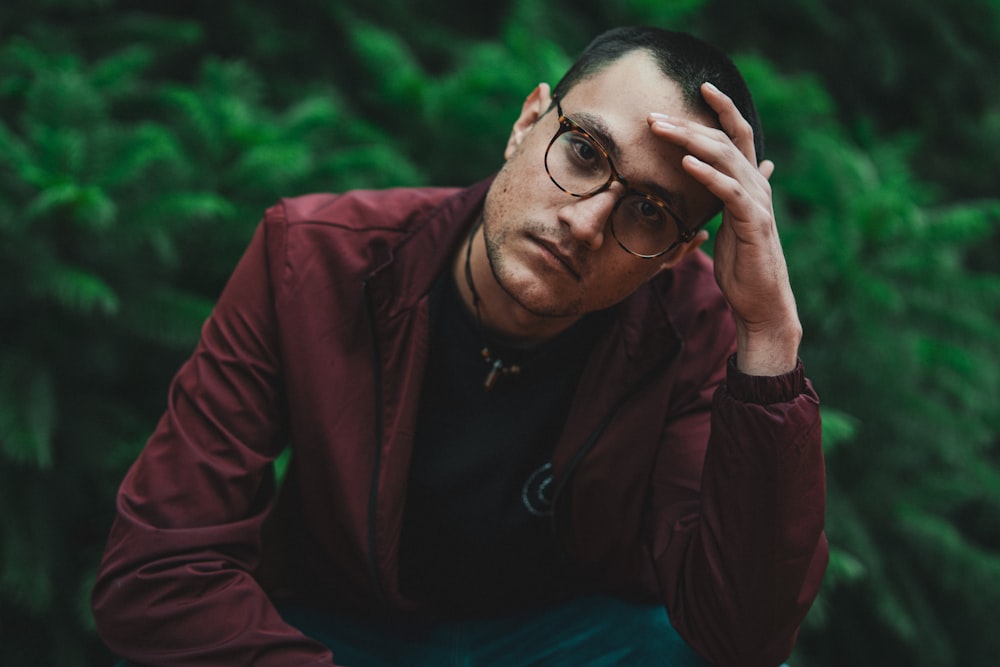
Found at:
[641, 222]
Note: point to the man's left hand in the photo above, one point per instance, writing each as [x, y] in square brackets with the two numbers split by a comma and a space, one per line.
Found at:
[749, 263]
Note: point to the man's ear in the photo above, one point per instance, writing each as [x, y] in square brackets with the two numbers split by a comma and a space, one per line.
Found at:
[536, 104]
[683, 250]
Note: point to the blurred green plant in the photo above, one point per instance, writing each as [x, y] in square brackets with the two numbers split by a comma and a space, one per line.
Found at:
[915, 66]
[139, 144]
[901, 339]
[125, 200]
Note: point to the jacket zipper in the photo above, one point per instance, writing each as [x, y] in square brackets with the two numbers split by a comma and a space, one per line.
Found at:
[379, 434]
[597, 432]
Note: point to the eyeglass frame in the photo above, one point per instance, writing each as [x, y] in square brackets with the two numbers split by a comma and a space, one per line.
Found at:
[684, 234]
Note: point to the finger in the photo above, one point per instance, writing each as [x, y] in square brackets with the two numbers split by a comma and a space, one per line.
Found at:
[734, 196]
[766, 169]
[708, 144]
[732, 121]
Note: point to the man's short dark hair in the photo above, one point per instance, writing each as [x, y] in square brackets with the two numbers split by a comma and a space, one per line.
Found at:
[683, 58]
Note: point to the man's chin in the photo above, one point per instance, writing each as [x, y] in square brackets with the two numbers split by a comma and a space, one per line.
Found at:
[544, 305]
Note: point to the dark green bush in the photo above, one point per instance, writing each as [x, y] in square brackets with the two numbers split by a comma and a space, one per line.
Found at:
[140, 141]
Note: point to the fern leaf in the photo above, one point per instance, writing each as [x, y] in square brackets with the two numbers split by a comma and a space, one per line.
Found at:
[168, 317]
[75, 289]
[116, 74]
[28, 414]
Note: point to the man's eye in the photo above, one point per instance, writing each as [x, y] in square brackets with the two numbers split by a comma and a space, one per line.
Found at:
[584, 151]
[645, 213]
[650, 211]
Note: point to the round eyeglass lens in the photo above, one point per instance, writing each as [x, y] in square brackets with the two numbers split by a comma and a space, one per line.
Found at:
[576, 165]
[643, 225]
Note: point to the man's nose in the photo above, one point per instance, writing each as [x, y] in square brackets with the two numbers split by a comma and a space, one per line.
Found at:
[588, 217]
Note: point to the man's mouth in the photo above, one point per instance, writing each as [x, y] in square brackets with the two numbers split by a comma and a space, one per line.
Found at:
[565, 258]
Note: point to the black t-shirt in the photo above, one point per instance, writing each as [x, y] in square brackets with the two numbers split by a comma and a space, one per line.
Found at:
[477, 536]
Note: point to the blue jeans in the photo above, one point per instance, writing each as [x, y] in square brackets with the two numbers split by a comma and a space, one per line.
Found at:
[586, 632]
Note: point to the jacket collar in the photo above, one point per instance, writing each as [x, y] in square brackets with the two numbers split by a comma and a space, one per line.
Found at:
[405, 272]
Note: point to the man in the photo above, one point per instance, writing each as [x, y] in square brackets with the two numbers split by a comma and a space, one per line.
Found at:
[527, 424]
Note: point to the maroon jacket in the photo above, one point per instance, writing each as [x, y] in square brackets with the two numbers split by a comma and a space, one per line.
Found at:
[671, 484]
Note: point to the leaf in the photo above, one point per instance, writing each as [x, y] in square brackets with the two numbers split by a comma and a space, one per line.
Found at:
[63, 98]
[391, 62]
[177, 210]
[116, 74]
[194, 121]
[838, 427]
[273, 166]
[27, 415]
[137, 151]
[166, 316]
[957, 565]
[75, 289]
[86, 205]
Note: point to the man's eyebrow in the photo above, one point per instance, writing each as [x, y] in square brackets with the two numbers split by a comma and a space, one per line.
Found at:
[597, 128]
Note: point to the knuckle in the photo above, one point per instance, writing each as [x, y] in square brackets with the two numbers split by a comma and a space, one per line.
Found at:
[736, 193]
[731, 153]
[743, 128]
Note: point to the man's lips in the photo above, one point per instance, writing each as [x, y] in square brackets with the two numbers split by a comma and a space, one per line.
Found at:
[565, 258]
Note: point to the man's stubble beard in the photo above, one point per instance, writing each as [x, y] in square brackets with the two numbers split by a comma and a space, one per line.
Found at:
[495, 256]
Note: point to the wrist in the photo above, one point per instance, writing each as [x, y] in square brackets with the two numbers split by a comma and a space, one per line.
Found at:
[770, 351]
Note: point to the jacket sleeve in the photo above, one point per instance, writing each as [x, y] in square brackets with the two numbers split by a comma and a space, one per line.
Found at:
[741, 559]
[175, 585]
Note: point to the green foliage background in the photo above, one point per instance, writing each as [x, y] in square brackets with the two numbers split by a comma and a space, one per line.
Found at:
[141, 140]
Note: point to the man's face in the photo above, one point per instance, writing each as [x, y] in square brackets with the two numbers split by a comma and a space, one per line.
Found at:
[553, 253]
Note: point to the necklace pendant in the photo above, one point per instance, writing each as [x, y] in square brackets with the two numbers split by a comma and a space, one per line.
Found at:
[491, 378]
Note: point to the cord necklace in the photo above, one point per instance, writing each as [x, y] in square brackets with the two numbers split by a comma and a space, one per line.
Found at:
[497, 366]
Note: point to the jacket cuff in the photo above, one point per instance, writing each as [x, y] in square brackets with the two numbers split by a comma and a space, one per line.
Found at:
[764, 390]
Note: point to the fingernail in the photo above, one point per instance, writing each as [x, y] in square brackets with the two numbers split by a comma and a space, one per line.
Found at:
[712, 86]
[659, 116]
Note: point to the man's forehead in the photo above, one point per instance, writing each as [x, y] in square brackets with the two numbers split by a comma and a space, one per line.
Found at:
[615, 112]
[634, 79]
